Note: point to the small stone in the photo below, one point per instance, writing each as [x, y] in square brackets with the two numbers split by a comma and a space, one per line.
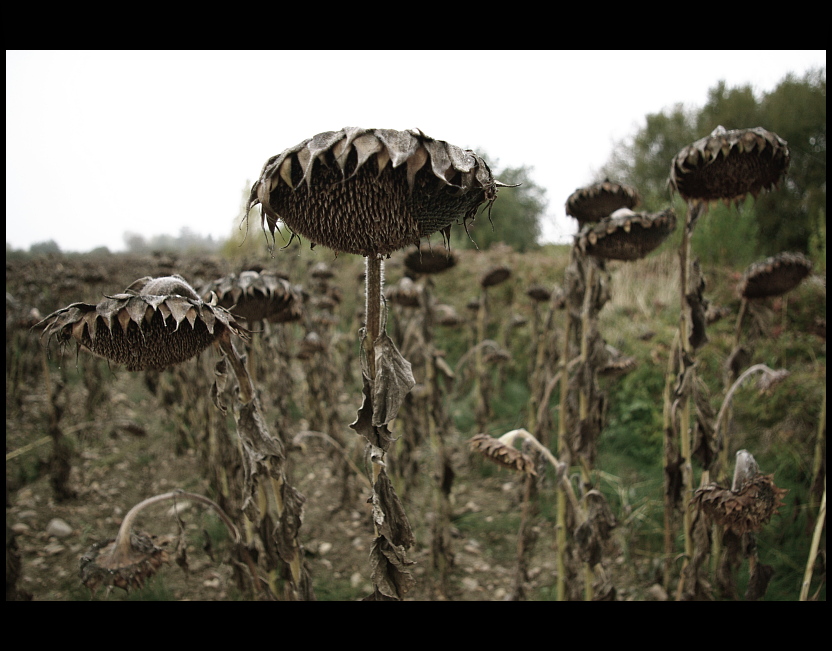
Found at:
[58, 528]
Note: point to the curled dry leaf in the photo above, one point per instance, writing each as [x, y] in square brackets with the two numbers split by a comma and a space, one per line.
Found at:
[729, 165]
[371, 191]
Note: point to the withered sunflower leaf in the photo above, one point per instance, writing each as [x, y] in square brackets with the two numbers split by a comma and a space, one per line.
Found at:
[389, 567]
[394, 380]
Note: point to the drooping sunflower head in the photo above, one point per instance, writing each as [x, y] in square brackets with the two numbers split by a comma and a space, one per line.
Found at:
[429, 260]
[496, 275]
[258, 296]
[595, 202]
[371, 191]
[626, 235]
[728, 165]
[503, 454]
[147, 553]
[143, 330]
[774, 276]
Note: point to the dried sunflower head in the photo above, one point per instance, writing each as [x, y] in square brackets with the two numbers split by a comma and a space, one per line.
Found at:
[595, 202]
[371, 191]
[728, 165]
[405, 293]
[427, 260]
[495, 276]
[539, 293]
[775, 276]
[258, 296]
[101, 566]
[751, 502]
[626, 235]
[502, 453]
[144, 330]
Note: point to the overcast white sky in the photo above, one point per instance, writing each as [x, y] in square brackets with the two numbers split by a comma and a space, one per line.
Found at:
[100, 143]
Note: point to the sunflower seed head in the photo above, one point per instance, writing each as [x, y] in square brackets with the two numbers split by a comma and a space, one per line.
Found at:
[595, 202]
[729, 165]
[428, 260]
[257, 296]
[142, 331]
[626, 235]
[774, 276]
[502, 454]
[495, 276]
[405, 293]
[100, 566]
[371, 191]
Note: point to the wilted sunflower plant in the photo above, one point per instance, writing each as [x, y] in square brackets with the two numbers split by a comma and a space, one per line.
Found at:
[726, 165]
[160, 322]
[371, 192]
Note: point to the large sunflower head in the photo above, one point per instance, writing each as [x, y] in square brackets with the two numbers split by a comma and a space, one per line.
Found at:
[371, 191]
[258, 296]
[156, 323]
[775, 276]
[626, 235]
[729, 165]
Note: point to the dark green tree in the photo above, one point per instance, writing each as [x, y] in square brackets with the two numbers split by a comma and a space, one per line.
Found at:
[515, 215]
[49, 246]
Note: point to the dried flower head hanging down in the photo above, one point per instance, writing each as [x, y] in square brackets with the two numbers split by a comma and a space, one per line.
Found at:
[539, 293]
[495, 276]
[626, 235]
[405, 293]
[258, 296]
[132, 557]
[428, 260]
[728, 165]
[502, 453]
[156, 323]
[750, 503]
[775, 276]
[371, 191]
[595, 202]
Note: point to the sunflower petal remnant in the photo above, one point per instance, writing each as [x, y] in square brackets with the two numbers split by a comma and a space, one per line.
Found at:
[371, 191]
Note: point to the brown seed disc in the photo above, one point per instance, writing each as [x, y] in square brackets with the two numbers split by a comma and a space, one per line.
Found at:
[595, 202]
[775, 276]
[626, 235]
[728, 165]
